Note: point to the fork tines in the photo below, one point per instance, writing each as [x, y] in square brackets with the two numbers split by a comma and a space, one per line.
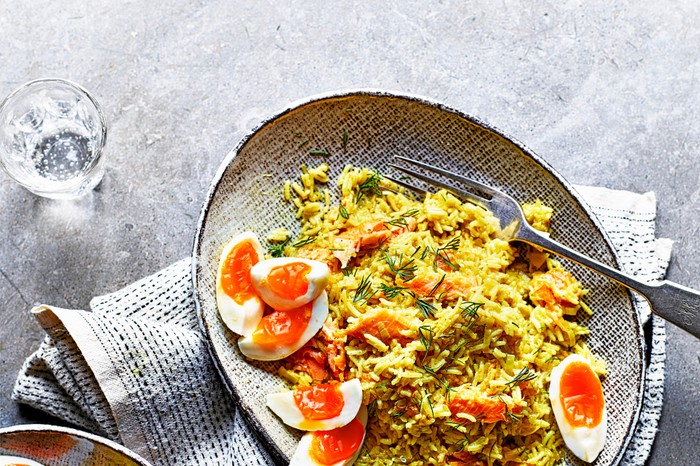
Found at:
[484, 192]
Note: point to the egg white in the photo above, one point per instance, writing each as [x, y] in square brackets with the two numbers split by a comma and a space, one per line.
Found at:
[584, 442]
[283, 405]
[302, 457]
[252, 350]
[240, 318]
[317, 279]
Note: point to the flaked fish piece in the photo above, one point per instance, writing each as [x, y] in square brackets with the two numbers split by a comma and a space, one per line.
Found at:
[367, 236]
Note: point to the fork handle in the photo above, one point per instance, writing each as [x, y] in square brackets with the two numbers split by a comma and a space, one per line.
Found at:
[675, 303]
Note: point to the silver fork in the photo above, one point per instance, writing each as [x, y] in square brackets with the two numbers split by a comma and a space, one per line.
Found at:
[675, 303]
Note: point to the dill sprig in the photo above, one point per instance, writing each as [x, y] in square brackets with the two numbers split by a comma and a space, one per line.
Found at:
[370, 186]
[509, 415]
[396, 222]
[462, 443]
[426, 308]
[391, 292]
[441, 253]
[524, 375]
[425, 335]
[343, 212]
[348, 272]
[277, 250]
[437, 285]
[470, 313]
[404, 270]
[304, 241]
[401, 220]
[364, 292]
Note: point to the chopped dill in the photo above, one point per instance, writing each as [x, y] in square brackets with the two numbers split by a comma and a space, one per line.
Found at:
[401, 220]
[437, 285]
[427, 309]
[511, 416]
[418, 401]
[303, 242]
[277, 250]
[303, 143]
[523, 376]
[462, 444]
[426, 252]
[344, 138]
[372, 408]
[404, 270]
[425, 335]
[470, 313]
[398, 411]
[364, 292]
[453, 244]
[396, 222]
[391, 292]
[343, 212]
[441, 253]
[453, 425]
[319, 152]
[348, 272]
[370, 186]
[448, 390]
[416, 251]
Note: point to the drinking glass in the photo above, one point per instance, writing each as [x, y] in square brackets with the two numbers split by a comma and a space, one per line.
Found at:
[52, 133]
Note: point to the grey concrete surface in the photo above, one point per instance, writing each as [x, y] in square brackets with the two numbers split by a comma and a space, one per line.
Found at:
[606, 92]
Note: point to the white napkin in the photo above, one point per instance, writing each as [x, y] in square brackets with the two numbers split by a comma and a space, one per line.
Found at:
[136, 369]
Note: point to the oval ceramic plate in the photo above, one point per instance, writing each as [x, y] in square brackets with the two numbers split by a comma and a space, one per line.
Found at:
[367, 128]
[63, 446]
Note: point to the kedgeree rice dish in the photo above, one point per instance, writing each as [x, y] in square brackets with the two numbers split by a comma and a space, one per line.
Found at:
[410, 329]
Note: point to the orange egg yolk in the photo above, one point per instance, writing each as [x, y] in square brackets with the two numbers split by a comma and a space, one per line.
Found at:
[332, 446]
[283, 327]
[581, 395]
[235, 272]
[321, 401]
[289, 281]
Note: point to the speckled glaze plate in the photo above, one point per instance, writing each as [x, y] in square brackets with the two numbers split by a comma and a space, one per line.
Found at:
[246, 195]
[63, 446]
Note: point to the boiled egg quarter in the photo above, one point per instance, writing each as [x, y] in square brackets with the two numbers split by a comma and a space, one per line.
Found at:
[337, 447]
[282, 332]
[579, 407]
[318, 407]
[239, 306]
[287, 282]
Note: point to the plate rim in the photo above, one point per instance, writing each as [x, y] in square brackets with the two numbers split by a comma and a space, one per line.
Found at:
[94, 438]
[271, 447]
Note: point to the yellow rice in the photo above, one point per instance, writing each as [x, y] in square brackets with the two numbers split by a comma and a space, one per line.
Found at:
[482, 339]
